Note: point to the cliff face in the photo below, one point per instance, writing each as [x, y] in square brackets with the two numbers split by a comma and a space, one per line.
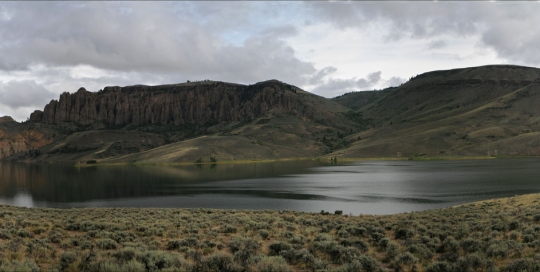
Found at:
[16, 138]
[118, 121]
[6, 119]
[205, 102]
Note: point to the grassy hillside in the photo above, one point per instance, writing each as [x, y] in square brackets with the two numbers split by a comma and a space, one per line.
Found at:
[489, 111]
[494, 235]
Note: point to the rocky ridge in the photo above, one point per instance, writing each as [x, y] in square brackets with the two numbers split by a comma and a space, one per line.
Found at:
[6, 119]
[178, 112]
[478, 111]
[210, 102]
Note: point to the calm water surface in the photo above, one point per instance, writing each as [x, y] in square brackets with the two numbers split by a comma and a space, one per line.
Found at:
[375, 187]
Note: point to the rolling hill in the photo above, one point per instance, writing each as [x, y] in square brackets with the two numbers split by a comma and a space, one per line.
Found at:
[489, 110]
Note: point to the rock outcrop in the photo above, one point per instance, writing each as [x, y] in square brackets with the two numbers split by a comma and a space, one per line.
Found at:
[6, 119]
[15, 139]
[189, 103]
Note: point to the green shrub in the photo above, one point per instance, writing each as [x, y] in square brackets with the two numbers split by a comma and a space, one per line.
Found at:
[275, 248]
[522, 265]
[528, 239]
[360, 244]
[392, 250]
[15, 265]
[243, 248]
[473, 262]
[421, 251]
[106, 244]
[158, 260]
[24, 233]
[55, 237]
[439, 267]
[66, 259]
[264, 234]
[342, 233]
[4, 234]
[369, 264]
[272, 264]
[220, 261]
[497, 249]
[126, 254]
[193, 254]
[303, 256]
[404, 262]
[470, 245]
[403, 233]
[448, 245]
[229, 229]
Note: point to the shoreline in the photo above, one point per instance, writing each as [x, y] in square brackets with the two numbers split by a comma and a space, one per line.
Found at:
[321, 159]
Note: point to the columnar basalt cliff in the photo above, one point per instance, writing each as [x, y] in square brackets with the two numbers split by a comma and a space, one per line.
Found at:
[190, 103]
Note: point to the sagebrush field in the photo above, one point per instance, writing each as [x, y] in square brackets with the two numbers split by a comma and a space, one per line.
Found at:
[494, 235]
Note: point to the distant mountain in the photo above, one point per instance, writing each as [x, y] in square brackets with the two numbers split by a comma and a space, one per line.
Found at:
[462, 112]
[478, 111]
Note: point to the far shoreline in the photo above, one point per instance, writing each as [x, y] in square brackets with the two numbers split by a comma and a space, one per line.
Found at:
[329, 159]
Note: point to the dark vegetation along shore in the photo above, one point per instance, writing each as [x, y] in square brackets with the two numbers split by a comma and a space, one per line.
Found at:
[494, 235]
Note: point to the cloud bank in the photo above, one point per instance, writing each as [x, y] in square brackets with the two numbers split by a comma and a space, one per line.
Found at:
[328, 48]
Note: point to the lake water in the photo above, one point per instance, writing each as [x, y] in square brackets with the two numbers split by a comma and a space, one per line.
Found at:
[369, 187]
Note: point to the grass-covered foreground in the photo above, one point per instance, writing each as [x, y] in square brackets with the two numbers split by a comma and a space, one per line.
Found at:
[495, 235]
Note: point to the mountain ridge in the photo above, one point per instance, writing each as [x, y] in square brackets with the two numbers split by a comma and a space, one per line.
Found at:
[86, 121]
[474, 111]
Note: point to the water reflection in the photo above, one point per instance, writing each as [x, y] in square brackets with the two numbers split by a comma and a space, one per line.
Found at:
[367, 187]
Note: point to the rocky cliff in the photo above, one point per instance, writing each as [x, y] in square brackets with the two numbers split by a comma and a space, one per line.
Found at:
[124, 120]
[6, 119]
[190, 103]
[16, 138]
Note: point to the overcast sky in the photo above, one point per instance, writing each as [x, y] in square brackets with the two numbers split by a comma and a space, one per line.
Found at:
[328, 48]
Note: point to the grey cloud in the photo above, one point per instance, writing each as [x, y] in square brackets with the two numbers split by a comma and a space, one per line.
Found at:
[147, 38]
[413, 19]
[20, 94]
[506, 27]
[395, 81]
[438, 44]
[321, 74]
[333, 87]
[513, 34]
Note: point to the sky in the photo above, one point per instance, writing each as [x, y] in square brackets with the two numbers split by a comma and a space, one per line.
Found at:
[327, 48]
